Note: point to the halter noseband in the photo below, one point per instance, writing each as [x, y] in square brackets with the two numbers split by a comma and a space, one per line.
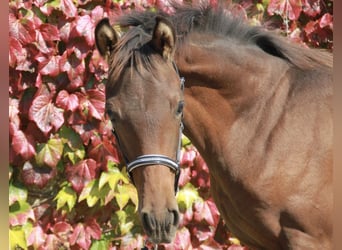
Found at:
[157, 159]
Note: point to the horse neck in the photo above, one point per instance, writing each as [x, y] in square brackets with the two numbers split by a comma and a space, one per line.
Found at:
[228, 88]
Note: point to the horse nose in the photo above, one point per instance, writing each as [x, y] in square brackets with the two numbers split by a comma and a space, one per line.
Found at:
[160, 228]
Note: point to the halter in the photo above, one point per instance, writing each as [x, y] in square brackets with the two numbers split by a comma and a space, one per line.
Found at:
[157, 159]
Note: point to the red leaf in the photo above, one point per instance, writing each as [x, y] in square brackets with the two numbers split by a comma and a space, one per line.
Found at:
[49, 66]
[17, 54]
[95, 103]
[65, 30]
[20, 214]
[80, 237]
[41, 44]
[182, 239]
[292, 10]
[93, 229]
[74, 67]
[85, 28]
[81, 173]
[206, 211]
[22, 30]
[45, 114]
[312, 7]
[37, 237]
[37, 177]
[62, 230]
[13, 115]
[49, 32]
[326, 20]
[101, 147]
[97, 14]
[23, 145]
[68, 8]
[66, 101]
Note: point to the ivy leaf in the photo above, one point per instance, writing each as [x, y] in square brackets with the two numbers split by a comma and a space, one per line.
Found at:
[38, 177]
[20, 212]
[80, 237]
[23, 145]
[48, 65]
[67, 101]
[49, 32]
[206, 210]
[113, 176]
[17, 238]
[68, 8]
[290, 8]
[101, 147]
[125, 193]
[94, 103]
[74, 149]
[50, 153]
[121, 219]
[92, 193]
[187, 196]
[66, 196]
[37, 237]
[21, 29]
[62, 230]
[81, 173]
[100, 244]
[83, 233]
[182, 239]
[93, 229]
[45, 114]
[85, 27]
[16, 193]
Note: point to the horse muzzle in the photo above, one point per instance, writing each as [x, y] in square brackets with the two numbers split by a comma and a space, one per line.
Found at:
[160, 228]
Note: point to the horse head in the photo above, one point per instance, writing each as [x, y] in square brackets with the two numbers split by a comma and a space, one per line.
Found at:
[144, 100]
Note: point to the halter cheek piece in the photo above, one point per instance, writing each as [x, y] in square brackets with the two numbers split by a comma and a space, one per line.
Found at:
[157, 159]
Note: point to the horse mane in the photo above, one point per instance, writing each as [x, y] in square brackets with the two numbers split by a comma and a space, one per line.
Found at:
[216, 21]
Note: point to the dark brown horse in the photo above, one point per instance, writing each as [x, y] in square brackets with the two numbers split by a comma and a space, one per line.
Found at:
[257, 108]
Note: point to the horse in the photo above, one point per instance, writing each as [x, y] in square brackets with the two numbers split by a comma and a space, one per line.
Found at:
[256, 106]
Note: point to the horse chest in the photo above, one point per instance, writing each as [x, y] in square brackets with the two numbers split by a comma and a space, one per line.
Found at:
[245, 213]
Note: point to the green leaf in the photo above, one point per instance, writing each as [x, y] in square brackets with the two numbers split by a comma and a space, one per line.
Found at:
[99, 245]
[74, 149]
[54, 3]
[112, 178]
[66, 196]
[92, 193]
[185, 141]
[125, 193]
[187, 196]
[17, 238]
[121, 219]
[16, 193]
[20, 212]
[70, 137]
[49, 153]
[74, 155]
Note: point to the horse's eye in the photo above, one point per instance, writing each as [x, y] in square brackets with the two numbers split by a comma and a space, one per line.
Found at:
[180, 107]
[111, 116]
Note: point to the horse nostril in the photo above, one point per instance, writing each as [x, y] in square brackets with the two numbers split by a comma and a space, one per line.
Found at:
[175, 214]
[147, 222]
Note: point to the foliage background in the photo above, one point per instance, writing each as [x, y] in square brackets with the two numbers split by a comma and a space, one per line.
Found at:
[66, 190]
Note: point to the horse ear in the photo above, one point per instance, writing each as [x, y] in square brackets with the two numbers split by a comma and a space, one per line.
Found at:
[105, 37]
[163, 38]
